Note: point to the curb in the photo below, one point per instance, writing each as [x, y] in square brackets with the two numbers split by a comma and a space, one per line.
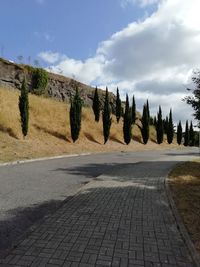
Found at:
[42, 159]
[181, 227]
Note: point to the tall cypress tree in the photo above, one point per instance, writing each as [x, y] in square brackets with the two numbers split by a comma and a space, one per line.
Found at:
[145, 124]
[179, 133]
[191, 135]
[24, 108]
[186, 136]
[96, 105]
[127, 123]
[159, 127]
[165, 124]
[133, 111]
[118, 106]
[75, 115]
[107, 120]
[148, 111]
[170, 129]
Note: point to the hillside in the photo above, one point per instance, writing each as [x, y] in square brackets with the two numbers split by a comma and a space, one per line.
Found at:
[49, 131]
[58, 86]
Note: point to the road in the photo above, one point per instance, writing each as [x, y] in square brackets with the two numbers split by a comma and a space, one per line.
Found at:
[30, 191]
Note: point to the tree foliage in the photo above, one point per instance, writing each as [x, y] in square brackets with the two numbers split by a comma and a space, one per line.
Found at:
[191, 135]
[107, 120]
[145, 124]
[96, 105]
[118, 106]
[170, 129]
[127, 122]
[24, 108]
[159, 127]
[186, 135]
[39, 81]
[194, 100]
[179, 133]
[75, 115]
[133, 111]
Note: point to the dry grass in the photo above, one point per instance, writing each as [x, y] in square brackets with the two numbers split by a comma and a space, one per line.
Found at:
[49, 131]
[184, 182]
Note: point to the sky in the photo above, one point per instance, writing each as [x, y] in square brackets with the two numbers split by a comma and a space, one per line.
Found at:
[146, 48]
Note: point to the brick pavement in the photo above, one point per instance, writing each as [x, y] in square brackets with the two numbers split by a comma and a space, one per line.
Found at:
[109, 223]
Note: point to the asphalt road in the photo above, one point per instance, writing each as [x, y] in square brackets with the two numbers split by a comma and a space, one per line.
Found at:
[29, 191]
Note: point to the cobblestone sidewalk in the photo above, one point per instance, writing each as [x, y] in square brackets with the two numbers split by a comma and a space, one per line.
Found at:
[109, 223]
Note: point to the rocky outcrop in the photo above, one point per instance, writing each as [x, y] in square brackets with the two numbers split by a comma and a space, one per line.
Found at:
[60, 87]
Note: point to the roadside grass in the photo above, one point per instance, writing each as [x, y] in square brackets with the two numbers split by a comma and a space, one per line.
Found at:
[49, 130]
[184, 182]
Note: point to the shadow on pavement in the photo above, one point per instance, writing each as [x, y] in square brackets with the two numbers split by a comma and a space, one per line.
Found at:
[16, 222]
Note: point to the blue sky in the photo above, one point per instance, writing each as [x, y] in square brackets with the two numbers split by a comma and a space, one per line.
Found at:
[148, 48]
[72, 27]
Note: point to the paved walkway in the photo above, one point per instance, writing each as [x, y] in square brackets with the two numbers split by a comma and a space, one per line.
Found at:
[113, 221]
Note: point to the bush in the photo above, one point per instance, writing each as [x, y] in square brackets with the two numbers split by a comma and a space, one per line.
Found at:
[39, 81]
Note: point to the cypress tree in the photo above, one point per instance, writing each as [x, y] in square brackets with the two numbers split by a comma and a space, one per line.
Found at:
[165, 124]
[155, 121]
[118, 107]
[127, 123]
[145, 124]
[133, 111]
[96, 105]
[159, 127]
[186, 136]
[170, 129]
[75, 115]
[107, 120]
[179, 133]
[191, 135]
[24, 108]
[147, 107]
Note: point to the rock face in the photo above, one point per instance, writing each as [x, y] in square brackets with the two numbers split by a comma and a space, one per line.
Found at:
[60, 87]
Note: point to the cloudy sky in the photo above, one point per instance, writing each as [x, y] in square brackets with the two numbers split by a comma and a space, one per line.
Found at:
[148, 48]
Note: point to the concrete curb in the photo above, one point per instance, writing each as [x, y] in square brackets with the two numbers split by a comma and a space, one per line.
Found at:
[42, 159]
[181, 227]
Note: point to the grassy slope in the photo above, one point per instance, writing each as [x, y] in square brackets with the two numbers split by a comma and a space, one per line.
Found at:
[184, 182]
[49, 131]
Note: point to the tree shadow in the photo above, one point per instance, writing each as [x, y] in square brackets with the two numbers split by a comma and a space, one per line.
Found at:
[115, 139]
[8, 130]
[91, 138]
[137, 139]
[51, 132]
[15, 223]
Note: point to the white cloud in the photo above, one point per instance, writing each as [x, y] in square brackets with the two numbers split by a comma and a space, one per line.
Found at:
[153, 58]
[141, 3]
[49, 57]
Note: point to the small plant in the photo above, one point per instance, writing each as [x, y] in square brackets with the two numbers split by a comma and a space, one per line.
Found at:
[39, 81]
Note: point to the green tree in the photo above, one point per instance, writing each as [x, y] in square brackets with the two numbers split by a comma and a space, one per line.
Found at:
[194, 100]
[179, 133]
[118, 107]
[75, 115]
[145, 124]
[39, 81]
[107, 120]
[186, 135]
[24, 108]
[159, 127]
[191, 135]
[155, 121]
[127, 122]
[170, 129]
[165, 124]
[148, 111]
[96, 105]
[133, 111]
